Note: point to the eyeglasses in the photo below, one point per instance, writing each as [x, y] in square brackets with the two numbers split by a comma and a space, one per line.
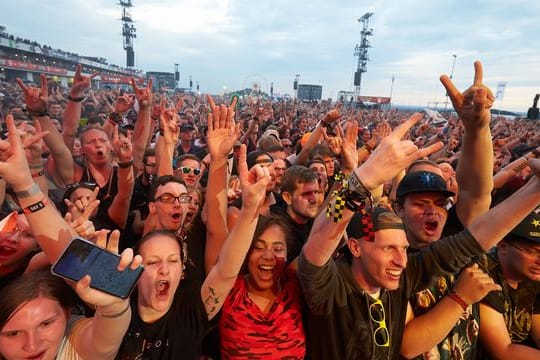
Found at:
[527, 251]
[168, 198]
[376, 313]
[151, 165]
[187, 170]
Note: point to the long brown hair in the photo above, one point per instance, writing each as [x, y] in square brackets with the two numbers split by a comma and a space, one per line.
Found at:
[30, 286]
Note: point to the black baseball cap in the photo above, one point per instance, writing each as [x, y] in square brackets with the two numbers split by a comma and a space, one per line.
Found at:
[422, 181]
[186, 127]
[529, 228]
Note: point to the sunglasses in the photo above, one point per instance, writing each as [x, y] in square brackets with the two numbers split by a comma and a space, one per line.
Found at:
[187, 170]
[376, 313]
[168, 198]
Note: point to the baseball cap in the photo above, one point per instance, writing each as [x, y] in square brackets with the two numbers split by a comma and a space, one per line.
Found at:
[186, 127]
[365, 224]
[271, 132]
[529, 228]
[422, 181]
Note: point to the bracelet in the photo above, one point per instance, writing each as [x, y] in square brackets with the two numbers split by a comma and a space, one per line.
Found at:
[535, 153]
[75, 99]
[125, 164]
[38, 174]
[39, 113]
[36, 206]
[33, 190]
[114, 316]
[458, 299]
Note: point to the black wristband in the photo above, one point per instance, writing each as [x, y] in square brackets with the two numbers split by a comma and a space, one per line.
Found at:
[36, 206]
[75, 99]
[126, 164]
[38, 113]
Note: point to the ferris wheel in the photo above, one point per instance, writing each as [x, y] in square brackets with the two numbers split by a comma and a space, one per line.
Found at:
[256, 85]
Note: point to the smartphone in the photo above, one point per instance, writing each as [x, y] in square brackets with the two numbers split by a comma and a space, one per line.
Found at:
[81, 257]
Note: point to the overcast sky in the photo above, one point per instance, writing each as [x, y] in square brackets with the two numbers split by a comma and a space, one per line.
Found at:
[233, 43]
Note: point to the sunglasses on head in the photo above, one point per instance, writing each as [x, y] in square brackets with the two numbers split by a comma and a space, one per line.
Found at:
[187, 170]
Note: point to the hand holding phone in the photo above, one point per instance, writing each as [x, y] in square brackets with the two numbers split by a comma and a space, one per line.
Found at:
[94, 267]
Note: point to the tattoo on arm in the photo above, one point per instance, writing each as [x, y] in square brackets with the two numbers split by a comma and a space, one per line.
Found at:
[211, 301]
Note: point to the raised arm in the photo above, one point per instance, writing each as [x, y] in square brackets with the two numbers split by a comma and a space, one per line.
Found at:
[221, 278]
[169, 138]
[72, 114]
[61, 166]
[118, 211]
[143, 125]
[392, 155]
[222, 134]
[475, 167]
[488, 229]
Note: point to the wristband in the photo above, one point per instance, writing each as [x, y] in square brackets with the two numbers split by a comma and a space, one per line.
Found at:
[38, 174]
[114, 316]
[36, 206]
[33, 190]
[535, 153]
[75, 99]
[38, 113]
[458, 299]
[125, 164]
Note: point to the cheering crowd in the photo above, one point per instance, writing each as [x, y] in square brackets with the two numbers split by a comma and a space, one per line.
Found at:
[268, 229]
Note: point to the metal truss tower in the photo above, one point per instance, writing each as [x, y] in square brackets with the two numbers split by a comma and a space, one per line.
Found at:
[361, 50]
[128, 31]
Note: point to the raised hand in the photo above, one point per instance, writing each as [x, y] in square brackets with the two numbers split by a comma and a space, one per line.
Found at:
[83, 206]
[81, 83]
[99, 298]
[122, 146]
[474, 103]
[253, 181]
[124, 103]
[333, 142]
[13, 165]
[393, 155]
[222, 131]
[170, 122]
[144, 95]
[348, 146]
[35, 98]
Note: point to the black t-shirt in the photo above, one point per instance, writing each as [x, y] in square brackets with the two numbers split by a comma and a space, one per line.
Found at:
[177, 335]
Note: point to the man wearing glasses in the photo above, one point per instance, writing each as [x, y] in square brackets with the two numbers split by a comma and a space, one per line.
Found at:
[345, 319]
[509, 320]
[188, 168]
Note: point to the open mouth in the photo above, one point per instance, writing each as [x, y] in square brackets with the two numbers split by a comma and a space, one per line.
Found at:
[100, 153]
[162, 288]
[7, 251]
[394, 274]
[431, 226]
[176, 216]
